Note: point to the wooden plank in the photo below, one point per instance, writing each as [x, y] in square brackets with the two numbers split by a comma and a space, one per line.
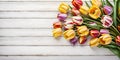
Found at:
[27, 23]
[59, 58]
[42, 0]
[53, 50]
[26, 32]
[36, 41]
[27, 15]
[30, 6]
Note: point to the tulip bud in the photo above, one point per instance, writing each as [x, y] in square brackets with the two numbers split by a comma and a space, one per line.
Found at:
[107, 10]
[57, 25]
[84, 10]
[92, 23]
[61, 16]
[118, 27]
[94, 42]
[75, 12]
[77, 3]
[69, 34]
[105, 39]
[96, 2]
[82, 31]
[74, 40]
[63, 8]
[82, 39]
[118, 40]
[68, 25]
[77, 20]
[57, 32]
[107, 21]
[94, 12]
[104, 31]
[94, 33]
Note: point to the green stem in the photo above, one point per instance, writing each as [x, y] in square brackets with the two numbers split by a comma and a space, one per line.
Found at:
[115, 29]
[115, 13]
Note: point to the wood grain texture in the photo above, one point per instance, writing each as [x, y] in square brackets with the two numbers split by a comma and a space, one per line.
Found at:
[26, 34]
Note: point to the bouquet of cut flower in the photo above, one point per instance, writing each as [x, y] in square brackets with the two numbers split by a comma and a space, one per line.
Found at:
[98, 19]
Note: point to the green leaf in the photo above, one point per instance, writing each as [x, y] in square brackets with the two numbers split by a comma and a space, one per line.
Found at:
[108, 3]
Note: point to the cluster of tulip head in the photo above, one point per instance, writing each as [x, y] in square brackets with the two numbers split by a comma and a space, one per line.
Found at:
[71, 23]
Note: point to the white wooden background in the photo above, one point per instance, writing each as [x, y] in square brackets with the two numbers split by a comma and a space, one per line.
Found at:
[25, 34]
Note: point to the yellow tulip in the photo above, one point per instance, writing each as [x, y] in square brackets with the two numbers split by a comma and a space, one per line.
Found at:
[96, 2]
[63, 8]
[69, 34]
[94, 12]
[82, 31]
[105, 39]
[57, 32]
[84, 10]
[94, 42]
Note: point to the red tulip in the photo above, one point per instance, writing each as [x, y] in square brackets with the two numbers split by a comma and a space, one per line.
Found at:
[75, 12]
[77, 3]
[118, 40]
[57, 25]
[82, 39]
[94, 33]
[68, 24]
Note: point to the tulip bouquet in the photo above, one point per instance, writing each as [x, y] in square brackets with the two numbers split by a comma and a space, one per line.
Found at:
[98, 19]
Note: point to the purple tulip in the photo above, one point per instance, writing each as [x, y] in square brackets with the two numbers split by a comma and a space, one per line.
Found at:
[74, 41]
[61, 16]
[107, 10]
[92, 23]
[104, 31]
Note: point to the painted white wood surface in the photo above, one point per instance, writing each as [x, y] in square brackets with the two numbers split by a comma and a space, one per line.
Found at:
[25, 34]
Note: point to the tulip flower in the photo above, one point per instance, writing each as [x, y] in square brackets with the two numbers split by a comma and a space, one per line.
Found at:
[118, 27]
[82, 39]
[63, 8]
[82, 31]
[105, 39]
[92, 23]
[104, 31]
[57, 25]
[77, 3]
[94, 42]
[84, 10]
[94, 33]
[94, 12]
[69, 34]
[61, 16]
[107, 10]
[57, 32]
[75, 12]
[118, 40]
[96, 3]
[74, 40]
[107, 21]
[68, 25]
[77, 20]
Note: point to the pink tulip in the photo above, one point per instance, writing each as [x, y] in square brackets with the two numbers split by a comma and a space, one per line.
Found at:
[104, 31]
[107, 21]
[107, 10]
[61, 16]
[74, 41]
[77, 20]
